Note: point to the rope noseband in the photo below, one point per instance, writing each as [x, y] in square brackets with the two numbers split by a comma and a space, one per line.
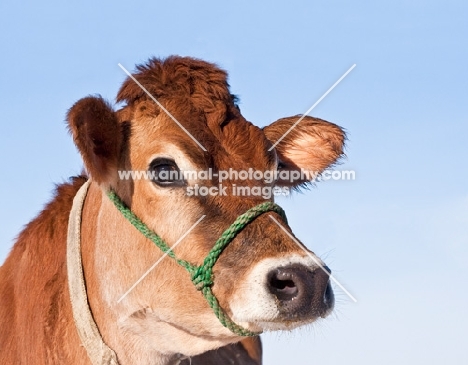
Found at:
[202, 276]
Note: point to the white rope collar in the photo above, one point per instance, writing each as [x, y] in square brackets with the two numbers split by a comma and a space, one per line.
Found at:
[99, 353]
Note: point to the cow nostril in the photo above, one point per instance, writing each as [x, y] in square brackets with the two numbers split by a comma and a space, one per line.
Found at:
[282, 285]
[328, 297]
[285, 286]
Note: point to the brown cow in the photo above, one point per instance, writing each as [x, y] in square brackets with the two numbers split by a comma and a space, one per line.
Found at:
[263, 280]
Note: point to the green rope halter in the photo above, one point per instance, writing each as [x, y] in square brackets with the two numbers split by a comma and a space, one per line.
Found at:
[202, 276]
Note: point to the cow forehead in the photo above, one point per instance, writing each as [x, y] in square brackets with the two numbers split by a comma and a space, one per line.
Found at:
[196, 93]
[238, 144]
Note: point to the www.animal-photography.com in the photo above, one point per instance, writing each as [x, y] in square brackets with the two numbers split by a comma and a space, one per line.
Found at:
[233, 183]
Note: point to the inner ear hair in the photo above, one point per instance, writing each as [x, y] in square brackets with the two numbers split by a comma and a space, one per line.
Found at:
[312, 145]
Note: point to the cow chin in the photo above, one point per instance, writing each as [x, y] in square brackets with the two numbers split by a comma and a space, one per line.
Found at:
[159, 331]
[283, 293]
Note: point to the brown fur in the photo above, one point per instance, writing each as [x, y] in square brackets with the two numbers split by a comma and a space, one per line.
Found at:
[97, 133]
[34, 299]
[164, 315]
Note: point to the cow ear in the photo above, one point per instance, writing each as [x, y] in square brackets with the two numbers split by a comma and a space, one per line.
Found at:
[312, 145]
[98, 135]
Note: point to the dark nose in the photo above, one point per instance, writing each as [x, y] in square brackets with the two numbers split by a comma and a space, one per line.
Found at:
[301, 292]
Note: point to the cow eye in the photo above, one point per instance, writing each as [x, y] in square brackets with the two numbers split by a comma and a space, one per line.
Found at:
[165, 172]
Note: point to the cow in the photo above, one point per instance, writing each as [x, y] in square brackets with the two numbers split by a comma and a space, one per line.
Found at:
[196, 305]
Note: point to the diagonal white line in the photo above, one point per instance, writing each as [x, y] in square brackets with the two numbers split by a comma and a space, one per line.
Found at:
[313, 106]
[315, 260]
[160, 259]
[161, 106]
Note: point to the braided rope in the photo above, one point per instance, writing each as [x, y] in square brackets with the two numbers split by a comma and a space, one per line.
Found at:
[202, 276]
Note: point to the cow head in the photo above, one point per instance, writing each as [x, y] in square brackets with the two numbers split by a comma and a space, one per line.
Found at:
[263, 280]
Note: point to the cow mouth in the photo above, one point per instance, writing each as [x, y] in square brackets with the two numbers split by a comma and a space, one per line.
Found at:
[284, 321]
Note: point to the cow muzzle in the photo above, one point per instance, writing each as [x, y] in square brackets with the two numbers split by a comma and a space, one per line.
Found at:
[301, 292]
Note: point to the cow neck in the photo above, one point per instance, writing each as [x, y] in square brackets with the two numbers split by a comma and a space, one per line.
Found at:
[98, 352]
[202, 276]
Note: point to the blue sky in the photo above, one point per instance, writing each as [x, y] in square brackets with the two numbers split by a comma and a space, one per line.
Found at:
[396, 237]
